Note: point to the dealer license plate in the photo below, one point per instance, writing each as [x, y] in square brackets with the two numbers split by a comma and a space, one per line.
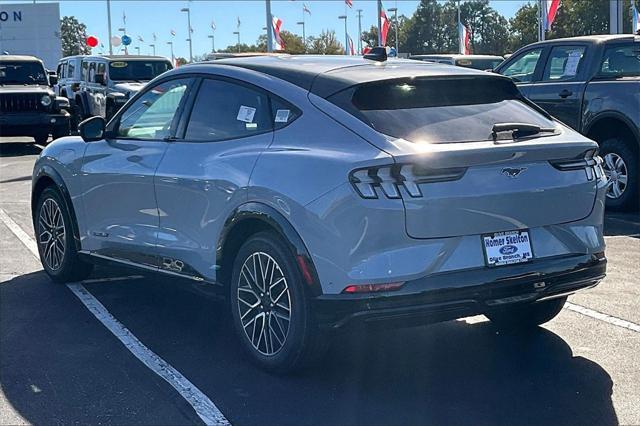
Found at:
[506, 248]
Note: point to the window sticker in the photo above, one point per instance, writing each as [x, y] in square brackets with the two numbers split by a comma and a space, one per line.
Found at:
[251, 126]
[282, 115]
[119, 64]
[246, 114]
[571, 67]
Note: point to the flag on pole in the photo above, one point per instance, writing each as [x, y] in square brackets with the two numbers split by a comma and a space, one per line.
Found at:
[349, 3]
[465, 39]
[278, 42]
[173, 33]
[385, 26]
[552, 9]
[352, 50]
[140, 39]
[213, 25]
[124, 18]
[155, 37]
[238, 24]
[636, 20]
[305, 9]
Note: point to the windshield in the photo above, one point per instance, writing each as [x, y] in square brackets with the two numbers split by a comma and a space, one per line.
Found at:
[137, 70]
[439, 110]
[479, 64]
[21, 72]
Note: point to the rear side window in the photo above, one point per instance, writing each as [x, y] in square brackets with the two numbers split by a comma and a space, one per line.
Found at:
[71, 70]
[439, 110]
[564, 63]
[621, 61]
[225, 110]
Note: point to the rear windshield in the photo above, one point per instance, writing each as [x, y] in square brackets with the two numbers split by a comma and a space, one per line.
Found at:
[479, 64]
[137, 70]
[22, 72]
[621, 60]
[439, 110]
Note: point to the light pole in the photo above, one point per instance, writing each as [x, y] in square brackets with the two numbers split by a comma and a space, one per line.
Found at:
[304, 37]
[124, 32]
[238, 34]
[269, 26]
[346, 36]
[359, 31]
[109, 24]
[186, 9]
[173, 59]
[379, 22]
[395, 19]
[153, 46]
[213, 43]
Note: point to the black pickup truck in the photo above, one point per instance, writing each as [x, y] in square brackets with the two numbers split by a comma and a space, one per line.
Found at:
[28, 104]
[592, 84]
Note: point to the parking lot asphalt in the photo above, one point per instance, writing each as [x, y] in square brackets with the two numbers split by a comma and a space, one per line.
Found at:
[60, 364]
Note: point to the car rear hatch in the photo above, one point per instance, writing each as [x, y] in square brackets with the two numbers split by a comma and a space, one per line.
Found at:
[472, 156]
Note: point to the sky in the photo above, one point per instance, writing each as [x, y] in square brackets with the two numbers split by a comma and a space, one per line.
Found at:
[145, 17]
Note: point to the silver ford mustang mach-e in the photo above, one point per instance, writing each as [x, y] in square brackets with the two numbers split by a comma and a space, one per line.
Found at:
[321, 192]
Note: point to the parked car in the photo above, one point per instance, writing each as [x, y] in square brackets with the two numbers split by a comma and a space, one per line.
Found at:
[28, 105]
[478, 62]
[593, 85]
[320, 192]
[68, 85]
[107, 82]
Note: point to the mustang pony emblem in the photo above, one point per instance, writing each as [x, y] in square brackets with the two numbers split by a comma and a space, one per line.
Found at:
[512, 172]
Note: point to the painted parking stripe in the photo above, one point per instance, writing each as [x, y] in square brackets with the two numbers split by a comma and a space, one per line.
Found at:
[602, 317]
[203, 406]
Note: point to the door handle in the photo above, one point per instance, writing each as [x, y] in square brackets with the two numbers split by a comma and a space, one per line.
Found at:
[565, 93]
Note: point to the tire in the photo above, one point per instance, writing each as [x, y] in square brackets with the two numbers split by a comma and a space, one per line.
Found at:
[292, 345]
[620, 160]
[59, 258]
[41, 139]
[526, 317]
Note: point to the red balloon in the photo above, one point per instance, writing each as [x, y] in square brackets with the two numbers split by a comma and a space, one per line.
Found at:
[92, 41]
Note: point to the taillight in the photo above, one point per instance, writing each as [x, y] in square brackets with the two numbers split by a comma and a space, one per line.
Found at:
[589, 161]
[371, 288]
[399, 180]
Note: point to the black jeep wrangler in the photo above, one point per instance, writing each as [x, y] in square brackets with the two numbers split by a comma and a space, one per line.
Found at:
[28, 104]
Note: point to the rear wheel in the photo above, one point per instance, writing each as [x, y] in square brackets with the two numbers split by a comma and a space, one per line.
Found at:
[271, 312]
[621, 167]
[56, 244]
[519, 317]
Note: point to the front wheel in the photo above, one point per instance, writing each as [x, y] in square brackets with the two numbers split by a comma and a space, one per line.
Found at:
[271, 312]
[523, 317]
[56, 245]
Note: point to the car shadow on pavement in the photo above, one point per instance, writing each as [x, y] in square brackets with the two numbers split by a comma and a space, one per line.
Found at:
[18, 149]
[622, 224]
[450, 373]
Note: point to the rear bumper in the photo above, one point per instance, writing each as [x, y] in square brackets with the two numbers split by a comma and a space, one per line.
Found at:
[31, 124]
[448, 296]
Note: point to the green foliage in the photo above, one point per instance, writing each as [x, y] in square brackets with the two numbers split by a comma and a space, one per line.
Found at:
[524, 27]
[243, 48]
[73, 37]
[293, 43]
[325, 44]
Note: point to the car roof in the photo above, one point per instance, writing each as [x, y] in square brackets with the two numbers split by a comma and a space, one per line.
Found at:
[455, 56]
[124, 57]
[325, 75]
[593, 39]
[19, 58]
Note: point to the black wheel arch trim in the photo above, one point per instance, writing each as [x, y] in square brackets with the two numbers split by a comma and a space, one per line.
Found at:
[616, 116]
[277, 221]
[48, 172]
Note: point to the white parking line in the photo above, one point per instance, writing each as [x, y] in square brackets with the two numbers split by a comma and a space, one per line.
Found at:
[203, 406]
[602, 317]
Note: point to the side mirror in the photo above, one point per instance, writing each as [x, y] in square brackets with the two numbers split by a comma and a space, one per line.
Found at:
[53, 80]
[92, 129]
[99, 78]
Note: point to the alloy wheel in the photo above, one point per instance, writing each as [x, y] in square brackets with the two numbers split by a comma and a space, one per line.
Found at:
[51, 234]
[264, 303]
[616, 171]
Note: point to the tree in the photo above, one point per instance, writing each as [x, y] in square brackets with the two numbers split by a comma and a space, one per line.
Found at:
[424, 30]
[293, 43]
[579, 17]
[242, 48]
[180, 61]
[524, 27]
[489, 29]
[371, 37]
[325, 44]
[73, 37]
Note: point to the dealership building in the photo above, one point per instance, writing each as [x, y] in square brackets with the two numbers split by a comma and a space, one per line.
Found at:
[31, 29]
